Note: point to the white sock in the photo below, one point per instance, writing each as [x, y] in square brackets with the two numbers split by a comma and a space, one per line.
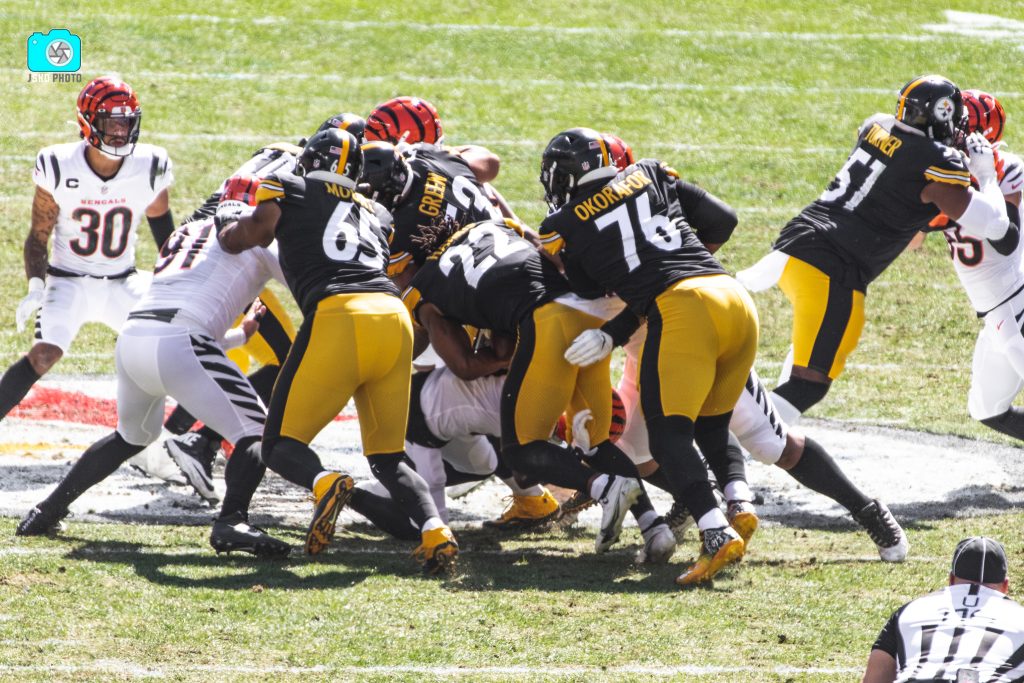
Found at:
[535, 490]
[320, 476]
[597, 486]
[712, 519]
[646, 522]
[789, 413]
[738, 490]
[431, 523]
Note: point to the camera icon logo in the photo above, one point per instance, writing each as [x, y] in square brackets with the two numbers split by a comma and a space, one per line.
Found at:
[59, 51]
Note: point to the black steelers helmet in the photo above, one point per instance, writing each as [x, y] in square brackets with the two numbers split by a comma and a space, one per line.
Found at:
[933, 105]
[353, 123]
[385, 174]
[573, 158]
[332, 155]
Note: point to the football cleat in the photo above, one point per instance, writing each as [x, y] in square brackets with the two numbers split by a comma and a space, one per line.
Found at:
[659, 545]
[718, 548]
[235, 533]
[618, 496]
[679, 520]
[437, 551]
[154, 462]
[524, 512]
[743, 518]
[194, 454]
[40, 523]
[331, 493]
[571, 508]
[884, 530]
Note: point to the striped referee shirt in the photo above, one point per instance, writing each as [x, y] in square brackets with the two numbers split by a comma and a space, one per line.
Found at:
[963, 627]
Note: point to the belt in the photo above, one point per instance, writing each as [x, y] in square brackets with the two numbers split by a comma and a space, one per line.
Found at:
[60, 272]
[164, 315]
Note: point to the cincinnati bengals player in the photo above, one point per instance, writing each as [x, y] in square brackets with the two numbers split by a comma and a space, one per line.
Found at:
[333, 252]
[90, 196]
[903, 170]
[173, 345]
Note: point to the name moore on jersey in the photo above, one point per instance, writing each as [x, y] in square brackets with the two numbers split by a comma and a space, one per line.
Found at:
[97, 225]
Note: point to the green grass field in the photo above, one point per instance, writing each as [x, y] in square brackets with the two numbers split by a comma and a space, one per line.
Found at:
[754, 100]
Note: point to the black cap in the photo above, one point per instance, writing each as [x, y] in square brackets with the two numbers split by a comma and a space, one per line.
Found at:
[980, 559]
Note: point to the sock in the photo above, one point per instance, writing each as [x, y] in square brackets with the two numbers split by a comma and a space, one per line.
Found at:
[642, 507]
[789, 413]
[1010, 423]
[543, 461]
[293, 460]
[658, 478]
[431, 524]
[721, 450]
[819, 472]
[712, 519]
[212, 436]
[263, 381]
[535, 490]
[738, 490]
[97, 463]
[671, 442]
[407, 488]
[242, 476]
[15, 383]
[648, 520]
[598, 485]
[800, 395]
[383, 513]
[180, 421]
[610, 459]
[453, 476]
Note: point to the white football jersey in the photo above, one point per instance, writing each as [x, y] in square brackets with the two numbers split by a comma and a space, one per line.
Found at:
[96, 228]
[990, 270]
[198, 285]
[453, 407]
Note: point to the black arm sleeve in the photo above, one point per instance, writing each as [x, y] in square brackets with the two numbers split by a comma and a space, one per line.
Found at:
[888, 638]
[161, 227]
[208, 208]
[621, 327]
[712, 219]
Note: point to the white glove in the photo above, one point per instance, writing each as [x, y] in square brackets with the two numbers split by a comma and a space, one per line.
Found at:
[227, 213]
[32, 301]
[589, 347]
[981, 163]
[580, 435]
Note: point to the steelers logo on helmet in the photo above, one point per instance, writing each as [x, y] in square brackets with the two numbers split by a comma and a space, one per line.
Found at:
[327, 152]
[944, 109]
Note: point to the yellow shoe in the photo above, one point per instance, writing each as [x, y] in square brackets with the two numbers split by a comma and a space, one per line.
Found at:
[719, 547]
[743, 519]
[526, 511]
[331, 493]
[437, 551]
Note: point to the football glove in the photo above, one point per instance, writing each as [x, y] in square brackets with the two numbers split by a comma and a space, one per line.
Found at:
[982, 160]
[589, 347]
[32, 301]
[580, 435]
[227, 213]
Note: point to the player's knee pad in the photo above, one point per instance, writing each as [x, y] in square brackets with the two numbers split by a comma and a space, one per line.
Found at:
[802, 394]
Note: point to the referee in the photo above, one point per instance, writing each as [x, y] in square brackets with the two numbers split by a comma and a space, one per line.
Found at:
[968, 632]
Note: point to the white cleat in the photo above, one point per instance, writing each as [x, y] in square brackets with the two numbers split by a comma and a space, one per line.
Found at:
[154, 462]
[618, 496]
[659, 545]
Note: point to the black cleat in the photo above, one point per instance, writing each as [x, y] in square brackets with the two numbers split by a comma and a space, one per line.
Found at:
[884, 530]
[194, 454]
[235, 533]
[40, 523]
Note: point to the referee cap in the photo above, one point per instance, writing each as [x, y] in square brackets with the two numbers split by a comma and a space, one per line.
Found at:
[980, 559]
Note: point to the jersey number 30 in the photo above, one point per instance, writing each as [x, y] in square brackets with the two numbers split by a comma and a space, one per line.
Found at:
[115, 226]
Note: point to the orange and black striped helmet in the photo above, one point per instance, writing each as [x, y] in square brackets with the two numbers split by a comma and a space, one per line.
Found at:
[332, 155]
[935, 106]
[353, 123]
[109, 116]
[984, 115]
[622, 154]
[240, 188]
[404, 119]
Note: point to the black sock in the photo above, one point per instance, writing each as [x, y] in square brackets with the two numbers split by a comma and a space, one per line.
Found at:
[802, 393]
[453, 476]
[724, 457]
[819, 472]
[212, 436]
[643, 504]
[15, 383]
[1010, 423]
[544, 461]
[658, 478]
[407, 488]
[98, 462]
[180, 420]
[610, 459]
[293, 460]
[242, 476]
[384, 514]
[671, 439]
[263, 381]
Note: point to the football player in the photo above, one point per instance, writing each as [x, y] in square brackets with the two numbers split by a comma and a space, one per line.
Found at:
[355, 338]
[702, 325]
[173, 345]
[903, 170]
[90, 196]
[988, 263]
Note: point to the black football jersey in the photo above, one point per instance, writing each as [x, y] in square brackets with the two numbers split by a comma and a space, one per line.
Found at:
[629, 235]
[488, 276]
[442, 185]
[872, 209]
[330, 239]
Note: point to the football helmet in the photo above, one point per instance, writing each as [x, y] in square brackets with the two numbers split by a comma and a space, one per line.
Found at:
[240, 188]
[573, 158]
[109, 116]
[621, 153]
[353, 123]
[385, 172]
[332, 155]
[934, 105]
[404, 119]
[984, 115]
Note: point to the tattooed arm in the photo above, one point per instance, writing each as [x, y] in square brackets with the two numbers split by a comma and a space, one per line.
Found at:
[44, 218]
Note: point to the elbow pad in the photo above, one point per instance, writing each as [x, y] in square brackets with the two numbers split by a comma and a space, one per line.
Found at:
[985, 216]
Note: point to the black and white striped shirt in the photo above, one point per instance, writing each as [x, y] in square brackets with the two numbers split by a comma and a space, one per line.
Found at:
[966, 626]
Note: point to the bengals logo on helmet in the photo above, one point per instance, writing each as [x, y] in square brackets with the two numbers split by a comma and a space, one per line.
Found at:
[404, 119]
[984, 115]
[109, 116]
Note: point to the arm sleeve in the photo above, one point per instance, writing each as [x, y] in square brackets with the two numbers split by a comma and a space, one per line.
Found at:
[161, 226]
[621, 327]
[712, 219]
[888, 639]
